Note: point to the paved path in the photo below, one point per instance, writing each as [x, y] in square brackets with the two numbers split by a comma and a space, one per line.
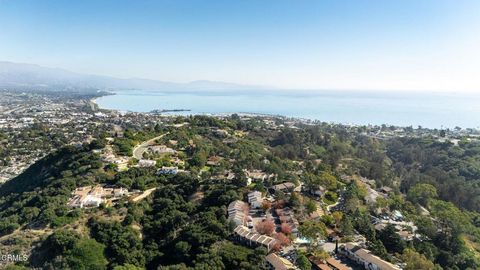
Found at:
[140, 149]
[332, 205]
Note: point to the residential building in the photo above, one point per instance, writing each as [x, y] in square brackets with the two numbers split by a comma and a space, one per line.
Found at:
[336, 265]
[252, 239]
[89, 196]
[161, 149]
[168, 170]
[366, 258]
[237, 212]
[285, 187]
[279, 263]
[257, 175]
[214, 160]
[255, 199]
[146, 163]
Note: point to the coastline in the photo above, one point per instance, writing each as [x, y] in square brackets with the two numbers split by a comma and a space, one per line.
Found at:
[173, 113]
[343, 110]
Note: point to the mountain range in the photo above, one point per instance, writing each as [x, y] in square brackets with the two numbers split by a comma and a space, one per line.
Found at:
[19, 75]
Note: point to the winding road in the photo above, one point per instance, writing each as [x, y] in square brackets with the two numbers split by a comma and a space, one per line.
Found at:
[140, 149]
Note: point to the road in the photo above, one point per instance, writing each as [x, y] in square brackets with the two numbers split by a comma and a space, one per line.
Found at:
[143, 195]
[140, 149]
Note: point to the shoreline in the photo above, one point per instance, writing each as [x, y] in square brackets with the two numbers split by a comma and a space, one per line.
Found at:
[175, 112]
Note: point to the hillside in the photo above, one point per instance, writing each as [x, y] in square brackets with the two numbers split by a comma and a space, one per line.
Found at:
[313, 181]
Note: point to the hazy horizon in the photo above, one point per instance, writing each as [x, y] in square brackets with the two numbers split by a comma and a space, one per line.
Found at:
[370, 45]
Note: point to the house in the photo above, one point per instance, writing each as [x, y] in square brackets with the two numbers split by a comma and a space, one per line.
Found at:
[113, 192]
[319, 265]
[285, 215]
[220, 132]
[365, 258]
[161, 149]
[237, 212]
[406, 235]
[256, 175]
[285, 187]
[168, 170]
[336, 265]
[89, 196]
[278, 263]
[386, 189]
[226, 175]
[146, 163]
[329, 264]
[91, 200]
[214, 160]
[255, 199]
[365, 180]
[252, 239]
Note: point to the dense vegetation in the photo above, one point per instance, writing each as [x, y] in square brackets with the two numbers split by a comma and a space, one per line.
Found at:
[183, 224]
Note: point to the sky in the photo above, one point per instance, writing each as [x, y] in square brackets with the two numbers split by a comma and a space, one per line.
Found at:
[296, 44]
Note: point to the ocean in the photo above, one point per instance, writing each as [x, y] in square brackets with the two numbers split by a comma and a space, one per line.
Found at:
[432, 110]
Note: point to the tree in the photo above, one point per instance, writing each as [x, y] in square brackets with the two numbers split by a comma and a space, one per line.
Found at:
[346, 226]
[294, 200]
[56, 244]
[319, 253]
[122, 244]
[325, 179]
[303, 262]
[286, 228]
[313, 230]
[87, 254]
[328, 220]
[338, 217]
[267, 227]
[282, 240]
[328, 180]
[127, 267]
[266, 205]
[239, 257]
[451, 220]
[422, 193]
[182, 250]
[15, 267]
[415, 260]
[199, 159]
[377, 247]
[310, 206]
[391, 240]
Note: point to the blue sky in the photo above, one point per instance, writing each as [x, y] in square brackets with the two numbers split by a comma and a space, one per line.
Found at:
[336, 44]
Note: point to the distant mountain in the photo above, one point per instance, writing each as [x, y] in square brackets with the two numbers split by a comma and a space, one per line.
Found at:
[34, 76]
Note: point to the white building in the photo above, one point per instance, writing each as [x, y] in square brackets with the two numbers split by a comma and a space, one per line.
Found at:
[91, 200]
[237, 212]
[89, 196]
[246, 236]
[366, 258]
[146, 163]
[255, 199]
[278, 263]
